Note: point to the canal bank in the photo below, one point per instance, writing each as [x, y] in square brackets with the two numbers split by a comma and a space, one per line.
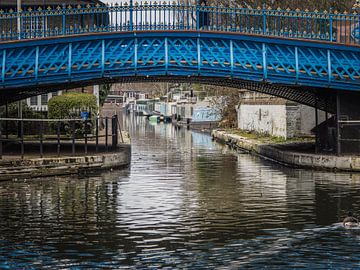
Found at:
[294, 154]
[11, 169]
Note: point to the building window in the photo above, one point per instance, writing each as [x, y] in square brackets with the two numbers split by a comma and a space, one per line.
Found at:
[55, 94]
[33, 101]
[44, 99]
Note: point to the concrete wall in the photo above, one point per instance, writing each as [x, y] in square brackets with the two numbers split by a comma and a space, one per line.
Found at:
[307, 122]
[268, 119]
[280, 120]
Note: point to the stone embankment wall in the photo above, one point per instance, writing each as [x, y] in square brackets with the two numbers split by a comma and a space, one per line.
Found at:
[285, 154]
[40, 167]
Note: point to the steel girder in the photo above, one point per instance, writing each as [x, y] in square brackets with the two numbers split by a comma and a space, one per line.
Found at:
[65, 60]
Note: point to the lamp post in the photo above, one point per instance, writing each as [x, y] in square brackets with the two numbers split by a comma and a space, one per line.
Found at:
[18, 6]
[131, 5]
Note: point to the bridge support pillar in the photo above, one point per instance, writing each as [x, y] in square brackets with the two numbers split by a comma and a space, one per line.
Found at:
[317, 143]
[347, 123]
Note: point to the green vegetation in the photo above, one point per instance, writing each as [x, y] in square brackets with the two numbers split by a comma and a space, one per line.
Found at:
[70, 105]
[265, 138]
[103, 93]
[27, 112]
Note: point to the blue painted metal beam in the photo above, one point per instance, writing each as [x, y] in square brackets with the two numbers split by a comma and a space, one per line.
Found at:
[90, 57]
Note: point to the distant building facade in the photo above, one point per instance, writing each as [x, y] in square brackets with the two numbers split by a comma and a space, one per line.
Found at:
[40, 102]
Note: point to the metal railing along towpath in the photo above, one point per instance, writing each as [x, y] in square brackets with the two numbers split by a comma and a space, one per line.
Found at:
[329, 26]
[55, 137]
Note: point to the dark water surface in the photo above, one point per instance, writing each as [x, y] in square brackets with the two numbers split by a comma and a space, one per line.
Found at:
[185, 202]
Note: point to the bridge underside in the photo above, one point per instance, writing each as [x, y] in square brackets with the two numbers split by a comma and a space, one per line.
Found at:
[314, 97]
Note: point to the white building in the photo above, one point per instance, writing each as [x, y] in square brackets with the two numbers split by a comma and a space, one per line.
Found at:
[40, 103]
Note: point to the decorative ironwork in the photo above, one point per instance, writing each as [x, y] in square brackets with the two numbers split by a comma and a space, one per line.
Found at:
[329, 25]
[97, 57]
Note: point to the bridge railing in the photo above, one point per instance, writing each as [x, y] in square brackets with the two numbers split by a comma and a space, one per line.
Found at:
[59, 21]
[50, 137]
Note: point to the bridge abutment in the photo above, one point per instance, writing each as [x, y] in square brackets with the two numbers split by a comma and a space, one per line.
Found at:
[347, 123]
[340, 134]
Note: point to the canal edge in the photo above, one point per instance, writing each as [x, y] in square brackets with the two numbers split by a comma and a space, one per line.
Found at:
[67, 165]
[288, 158]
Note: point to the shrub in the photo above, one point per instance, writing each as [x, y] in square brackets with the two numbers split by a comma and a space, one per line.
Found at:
[70, 106]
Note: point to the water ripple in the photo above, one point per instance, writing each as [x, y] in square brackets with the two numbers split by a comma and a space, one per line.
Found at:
[185, 202]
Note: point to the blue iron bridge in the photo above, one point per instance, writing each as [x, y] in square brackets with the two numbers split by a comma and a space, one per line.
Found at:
[302, 56]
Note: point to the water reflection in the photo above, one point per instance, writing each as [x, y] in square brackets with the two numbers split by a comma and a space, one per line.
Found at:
[185, 202]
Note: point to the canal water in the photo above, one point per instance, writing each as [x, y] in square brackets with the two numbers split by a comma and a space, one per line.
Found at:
[185, 202]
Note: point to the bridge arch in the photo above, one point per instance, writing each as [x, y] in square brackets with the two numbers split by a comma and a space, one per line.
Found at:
[297, 70]
[312, 97]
